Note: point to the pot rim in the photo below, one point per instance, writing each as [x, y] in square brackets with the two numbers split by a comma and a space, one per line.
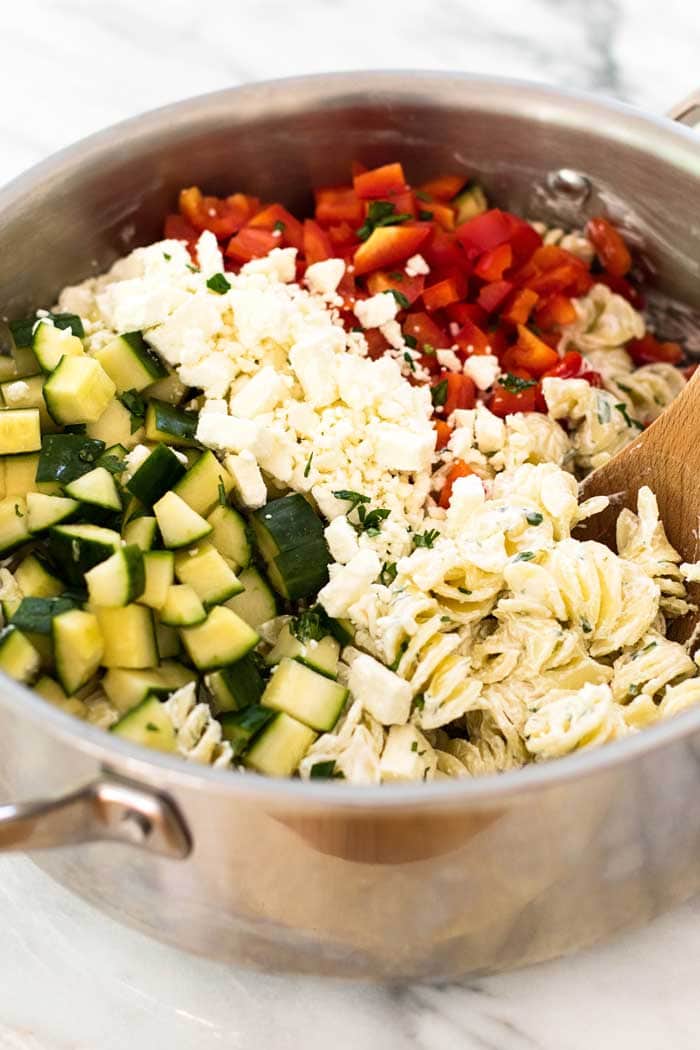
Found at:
[559, 106]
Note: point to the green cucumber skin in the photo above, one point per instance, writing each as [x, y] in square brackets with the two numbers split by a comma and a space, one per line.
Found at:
[35, 614]
[171, 420]
[65, 457]
[157, 475]
[288, 521]
[74, 557]
[243, 682]
[23, 330]
[241, 727]
[150, 361]
[303, 571]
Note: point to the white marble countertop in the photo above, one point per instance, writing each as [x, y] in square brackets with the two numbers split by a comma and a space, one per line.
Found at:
[70, 979]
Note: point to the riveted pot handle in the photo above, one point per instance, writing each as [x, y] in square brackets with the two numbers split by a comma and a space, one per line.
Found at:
[108, 809]
[688, 111]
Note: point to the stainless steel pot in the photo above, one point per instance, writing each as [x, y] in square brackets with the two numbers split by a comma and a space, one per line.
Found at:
[423, 881]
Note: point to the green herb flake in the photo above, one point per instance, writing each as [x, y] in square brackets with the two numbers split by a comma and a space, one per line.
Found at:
[534, 518]
[425, 539]
[524, 556]
[388, 573]
[132, 400]
[307, 468]
[399, 296]
[402, 649]
[167, 256]
[351, 497]
[419, 702]
[585, 626]
[634, 690]
[151, 727]
[322, 770]
[279, 227]
[310, 625]
[603, 410]
[421, 195]
[464, 590]
[429, 349]
[396, 275]
[410, 340]
[438, 394]
[514, 384]
[192, 269]
[424, 215]
[414, 745]
[381, 213]
[18, 512]
[409, 361]
[371, 521]
[634, 423]
[218, 283]
[223, 499]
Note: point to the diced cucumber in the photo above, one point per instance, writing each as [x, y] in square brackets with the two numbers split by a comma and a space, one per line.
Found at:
[284, 524]
[19, 473]
[26, 363]
[78, 645]
[171, 425]
[159, 570]
[34, 579]
[20, 430]
[257, 603]
[179, 525]
[206, 484]
[28, 393]
[158, 473]
[65, 457]
[301, 572]
[126, 688]
[182, 607]
[112, 456]
[50, 690]
[230, 536]
[44, 646]
[142, 531]
[222, 639]
[45, 511]
[469, 203]
[129, 363]
[240, 727]
[18, 657]
[114, 426]
[208, 574]
[148, 724]
[14, 527]
[320, 655]
[96, 488]
[129, 637]
[34, 615]
[171, 389]
[175, 674]
[51, 343]
[118, 580]
[78, 548]
[24, 330]
[168, 641]
[279, 748]
[236, 687]
[78, 390]
[305, 694]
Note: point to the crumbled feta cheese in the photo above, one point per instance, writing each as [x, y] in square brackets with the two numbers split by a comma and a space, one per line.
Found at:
[209, 255]
[226, 433]
[248, 480]
[393, 334]
[349, 582]
[322, 278]
[448, 359]
[263, 392]
[377, 310]
[342, 540]
[483, 369]
[416, 266]
[14, 392]
[381, 692]
[134, 459]
[398, 449]
[278, 265]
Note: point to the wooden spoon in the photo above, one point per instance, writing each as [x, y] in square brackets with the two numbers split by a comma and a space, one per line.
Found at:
[666, 457]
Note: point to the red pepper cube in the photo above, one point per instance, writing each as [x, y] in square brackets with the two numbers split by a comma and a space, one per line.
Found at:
[380, 183]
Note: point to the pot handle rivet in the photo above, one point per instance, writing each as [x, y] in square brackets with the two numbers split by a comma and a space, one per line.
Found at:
[110, 809]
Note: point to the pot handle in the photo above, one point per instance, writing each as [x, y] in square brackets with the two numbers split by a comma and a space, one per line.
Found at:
[688, 111]
[108, 809]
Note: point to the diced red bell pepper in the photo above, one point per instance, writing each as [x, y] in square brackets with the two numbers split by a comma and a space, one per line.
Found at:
[250, 244]
[425, 331]
[443, 252]
[492, 264]
[493, 295]
[317, 245]
[648, 350]
[444, 292]
[404, 203]
[519, 306]
[380, 183]
[377, 345]
[277, 218]
[504, 402]
[221, 216]
[621, 286]
[388, 245]
[610, 248]
[524, 240]
[435, 211]
[499, 340]
[443, 187]
[336, 204]
[532, 353]
[555, 311]
[459, 469]
[461, 312]
[570, 277]
[384, 280]
[472, 340]
[461, 392]
[485, 231]
[443, 433]
[573, 366]
[177, 228]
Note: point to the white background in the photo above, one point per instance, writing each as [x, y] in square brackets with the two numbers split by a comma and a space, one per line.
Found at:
[71, 979]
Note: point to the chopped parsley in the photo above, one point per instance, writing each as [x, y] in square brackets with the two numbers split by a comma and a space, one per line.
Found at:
[310, 625]
[218, 283]
[279, 227]
[396, 275]
[425, 539]
[151, 727]
[414, 745]
[438, 394]
[585, 626]
[524, 556]
[18, 512]
[402, 649]
[419, 702]
[167, 256]
[534, 518]
[192, 269]
[369, 521]
[352, 497]
[622, 409]
[424, 215]
[324, 771]
[222, 493]
[421, 195]
[428, 349]
[388, 573]
[307, 468]
[399, 296]
[136, 406]
[514, 384]
[410, 340]
[464, 590]
[381, 213]
[409, 361]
